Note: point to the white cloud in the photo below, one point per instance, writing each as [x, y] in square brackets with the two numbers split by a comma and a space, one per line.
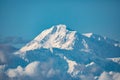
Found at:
[115, 75]
[105, 76]
[15, 72]
[110, 76]
[29, 70]
[33, 70]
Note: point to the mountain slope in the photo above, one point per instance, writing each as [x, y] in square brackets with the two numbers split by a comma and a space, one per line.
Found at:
[55, 37]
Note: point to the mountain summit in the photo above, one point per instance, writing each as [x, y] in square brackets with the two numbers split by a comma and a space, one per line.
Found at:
[54, 37]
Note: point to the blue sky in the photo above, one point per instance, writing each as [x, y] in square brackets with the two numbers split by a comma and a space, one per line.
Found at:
[27, 18]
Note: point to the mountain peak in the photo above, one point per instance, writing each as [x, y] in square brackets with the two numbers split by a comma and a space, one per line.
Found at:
[60, 27]
[55, 37]
[52, 30]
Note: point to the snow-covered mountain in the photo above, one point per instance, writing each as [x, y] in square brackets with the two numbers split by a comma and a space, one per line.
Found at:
[55, 37]
[61, 54]
[61, 38]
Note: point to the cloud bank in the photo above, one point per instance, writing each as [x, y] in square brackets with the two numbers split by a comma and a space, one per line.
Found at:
[34, 70]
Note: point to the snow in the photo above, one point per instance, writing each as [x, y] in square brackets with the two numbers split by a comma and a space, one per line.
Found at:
[43, 34]
[51, 50]
[96, 77]
[117, 60]
[90, 64]
[35, 43]
[104, 37]
[87, 34]
[86, 47]
[99, 39]
[62, 39]
[85, 43]
[71, 65]
[55, 37]
[117, 45]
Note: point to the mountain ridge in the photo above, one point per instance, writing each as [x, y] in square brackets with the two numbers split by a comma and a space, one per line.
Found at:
[60, 37]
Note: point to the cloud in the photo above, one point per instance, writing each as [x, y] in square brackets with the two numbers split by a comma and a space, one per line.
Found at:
[105, 76]
[15, 72]
[87, 77]
[52, 72]
[6, 53]
[3, 76]
[109, 76]
[34, 70]
[30, 70]
[115, 75]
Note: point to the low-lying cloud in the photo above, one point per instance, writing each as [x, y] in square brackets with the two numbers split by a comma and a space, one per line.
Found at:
[109, 76]
[30, 70]
[34, 70]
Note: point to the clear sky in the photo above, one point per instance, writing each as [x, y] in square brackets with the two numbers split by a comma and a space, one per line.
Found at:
[27, 18]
